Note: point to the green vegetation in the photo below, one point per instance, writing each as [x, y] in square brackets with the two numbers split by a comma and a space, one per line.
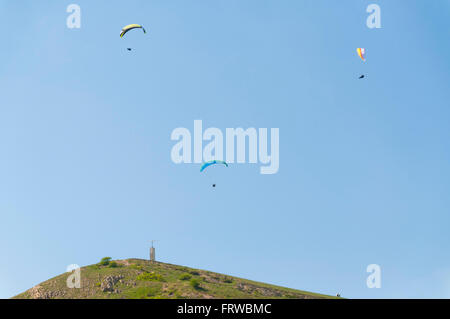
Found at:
[149, 276]
[195, 283]
[145, 293]
[104, 261]
[138, 279]
[227, 280]
[137, 267]
[185, 276]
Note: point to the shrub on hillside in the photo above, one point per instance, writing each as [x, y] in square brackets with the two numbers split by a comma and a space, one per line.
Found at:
[185, 276]
[149, 276]
[195, 283]
[228, 280]
[105, 261]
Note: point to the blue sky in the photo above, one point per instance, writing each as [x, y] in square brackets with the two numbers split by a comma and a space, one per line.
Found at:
[85, 167]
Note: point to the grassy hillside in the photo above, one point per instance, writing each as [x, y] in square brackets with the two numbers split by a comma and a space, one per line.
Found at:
[136, 278]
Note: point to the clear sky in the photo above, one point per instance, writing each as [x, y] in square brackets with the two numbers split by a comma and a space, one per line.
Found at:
[364, 178]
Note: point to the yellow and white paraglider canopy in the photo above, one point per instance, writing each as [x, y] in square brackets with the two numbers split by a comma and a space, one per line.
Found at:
[129, 27]
[361, 53]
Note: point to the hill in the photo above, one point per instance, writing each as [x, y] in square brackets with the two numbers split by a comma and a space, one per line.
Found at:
[138, 279]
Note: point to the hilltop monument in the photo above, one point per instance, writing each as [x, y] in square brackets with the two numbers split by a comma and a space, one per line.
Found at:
[152, 252]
